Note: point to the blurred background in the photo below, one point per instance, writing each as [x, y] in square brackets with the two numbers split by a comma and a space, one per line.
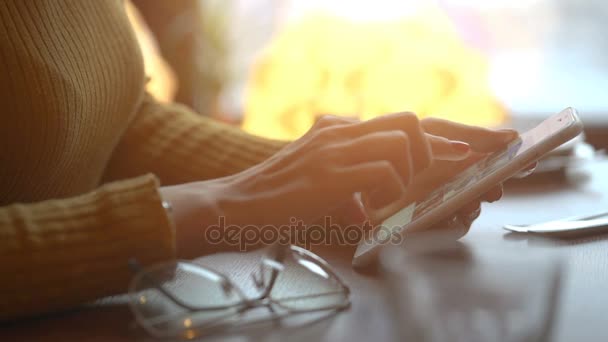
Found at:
[273, 66]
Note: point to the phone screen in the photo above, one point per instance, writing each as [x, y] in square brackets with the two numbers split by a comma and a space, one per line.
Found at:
[475, 173]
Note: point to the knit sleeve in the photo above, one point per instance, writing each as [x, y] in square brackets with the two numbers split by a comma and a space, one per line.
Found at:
[60, 253]
[180, 146]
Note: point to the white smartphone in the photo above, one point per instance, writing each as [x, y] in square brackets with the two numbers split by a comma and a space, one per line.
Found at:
[472, 182]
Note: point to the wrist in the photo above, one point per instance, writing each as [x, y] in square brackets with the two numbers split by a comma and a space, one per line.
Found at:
[193, 207]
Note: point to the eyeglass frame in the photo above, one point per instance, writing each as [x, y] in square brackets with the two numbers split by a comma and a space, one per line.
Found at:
[244, 303]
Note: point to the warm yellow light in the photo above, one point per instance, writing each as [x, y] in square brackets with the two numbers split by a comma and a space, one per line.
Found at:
[187, 323]
[161, 82]
[142, 300]
[189, 334]
[329, 64]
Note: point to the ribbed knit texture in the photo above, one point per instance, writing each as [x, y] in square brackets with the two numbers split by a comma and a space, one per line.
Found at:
[59, 253]
[179, 146]
[73, 115]
[71, 79]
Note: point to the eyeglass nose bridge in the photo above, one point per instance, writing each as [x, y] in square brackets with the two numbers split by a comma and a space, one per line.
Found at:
[227, 286]
[258, 277]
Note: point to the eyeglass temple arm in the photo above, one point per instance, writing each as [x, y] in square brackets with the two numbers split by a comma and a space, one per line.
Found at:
[326, 267]
[279, 253]
[331, 272]
[136, 268]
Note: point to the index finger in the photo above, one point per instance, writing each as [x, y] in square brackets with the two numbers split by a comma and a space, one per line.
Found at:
[445, 149]
[481, 139]
[407, 122]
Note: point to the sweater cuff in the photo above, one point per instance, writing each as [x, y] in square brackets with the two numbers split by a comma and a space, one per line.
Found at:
[66, 252]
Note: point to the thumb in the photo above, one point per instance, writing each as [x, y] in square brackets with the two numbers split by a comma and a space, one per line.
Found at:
[445, 149]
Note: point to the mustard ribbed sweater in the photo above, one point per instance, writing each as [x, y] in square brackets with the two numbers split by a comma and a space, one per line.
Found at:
[74, 116]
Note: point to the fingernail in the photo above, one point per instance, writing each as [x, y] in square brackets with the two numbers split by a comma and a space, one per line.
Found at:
[460, 147]
[508, 134]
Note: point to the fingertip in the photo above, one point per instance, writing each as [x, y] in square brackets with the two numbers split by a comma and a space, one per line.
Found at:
[475, 214]
[353, 212]
[469, 208]
[507, 135]
[458, 151]
[460, 147]
[532, 166]
[494, 195]
[451, 150]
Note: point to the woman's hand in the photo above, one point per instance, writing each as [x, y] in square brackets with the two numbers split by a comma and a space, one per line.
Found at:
[336, 159]
[313, 176]
[390, 159]
[480, 141]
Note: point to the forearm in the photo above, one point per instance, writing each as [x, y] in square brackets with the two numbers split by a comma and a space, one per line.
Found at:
[180, 146]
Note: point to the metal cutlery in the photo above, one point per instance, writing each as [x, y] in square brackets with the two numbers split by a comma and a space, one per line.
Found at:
[575, 225]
